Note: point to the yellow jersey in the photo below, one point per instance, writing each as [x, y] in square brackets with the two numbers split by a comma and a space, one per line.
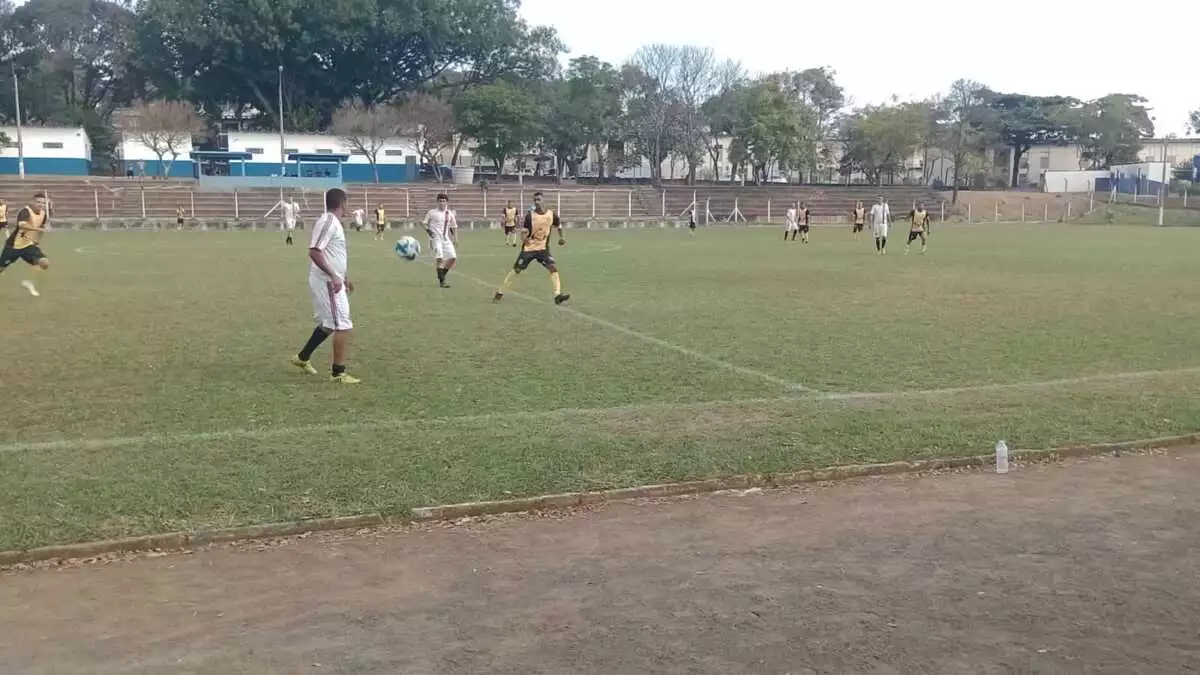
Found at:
[919, 219]
[380, 217]
[538, 225]
[860, 216]
[29, 229]
[3, 213]
[510, 216]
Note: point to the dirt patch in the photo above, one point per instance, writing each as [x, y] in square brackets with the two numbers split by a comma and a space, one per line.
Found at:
[1089, 566]
[1008, 207]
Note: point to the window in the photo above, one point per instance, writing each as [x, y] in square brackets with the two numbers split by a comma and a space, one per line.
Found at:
[358, 152]
[1045, 162]
[1171, 159]
[393, 153]
[291, 151]
[254, 151]
[324, 151]
[52, 145]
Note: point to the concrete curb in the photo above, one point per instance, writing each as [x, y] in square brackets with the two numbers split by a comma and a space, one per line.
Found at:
[185, 540]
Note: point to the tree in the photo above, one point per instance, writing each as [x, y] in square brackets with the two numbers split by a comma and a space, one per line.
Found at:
[1194, 121]
[965, 127]
[1023, 121]
[581, 111]
[501, 118]
[817, 88]
[224, 55]
[771, 129]
[1112, 129]
[367, 129]
[430, 121]
[880, 138]
[163, 127]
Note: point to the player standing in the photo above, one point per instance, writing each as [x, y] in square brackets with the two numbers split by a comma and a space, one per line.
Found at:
[380, 222]
[510, 224]
[692, 221]
[442, 227]
[330, 289]
[535, 247]
[860, 218]
[23, 243]
[3, 218]
[790, 225]
[802, 219]
[919, 219]
[880, 215]
[287, 213]
[360, 218]
[179, 217]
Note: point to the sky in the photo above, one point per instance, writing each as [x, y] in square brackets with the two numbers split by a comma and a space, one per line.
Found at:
[912, 49]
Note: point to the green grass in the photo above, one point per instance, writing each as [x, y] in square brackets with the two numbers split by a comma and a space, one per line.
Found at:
[1141, 214]
[149, 390]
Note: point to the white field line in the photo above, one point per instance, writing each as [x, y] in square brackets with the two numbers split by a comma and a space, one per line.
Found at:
[658, 342]
[402, 423]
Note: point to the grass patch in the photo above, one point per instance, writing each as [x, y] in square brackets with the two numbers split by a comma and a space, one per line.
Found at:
[157, 397]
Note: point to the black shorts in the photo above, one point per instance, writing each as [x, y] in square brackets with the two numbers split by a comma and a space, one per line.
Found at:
[380, 227]
[3, 224]
[509, 229]
[692, 225]
[525, 257]
[803, 227]
[858, 227]
[914, 235]
[179, 222]
[30, 254]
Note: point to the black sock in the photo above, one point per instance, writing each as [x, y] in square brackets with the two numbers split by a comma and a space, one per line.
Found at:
[877, 246]
[441, 272]
[318, 336]
[884, 244]
[338, 370]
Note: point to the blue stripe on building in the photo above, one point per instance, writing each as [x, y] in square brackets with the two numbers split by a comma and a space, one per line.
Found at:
[47, 166]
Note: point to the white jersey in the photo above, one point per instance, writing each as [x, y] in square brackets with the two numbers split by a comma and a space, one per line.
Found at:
[360, 217]
[329, 238]
[440, 223]
[789, 219]
[288, 213]
[880, 214]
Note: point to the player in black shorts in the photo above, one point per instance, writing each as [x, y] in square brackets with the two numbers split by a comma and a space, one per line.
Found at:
[510, 225]
[860, 219]
[802, 217]
[535, 247]
[692, 221]
[23, 243]
[179, 217]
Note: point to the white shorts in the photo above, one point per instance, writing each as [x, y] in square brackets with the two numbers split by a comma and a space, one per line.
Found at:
[792, 227]
[331, 310]
[289, 225]
[880, 230]
[443, 249]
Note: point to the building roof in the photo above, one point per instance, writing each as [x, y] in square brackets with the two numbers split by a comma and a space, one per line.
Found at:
[320, 158]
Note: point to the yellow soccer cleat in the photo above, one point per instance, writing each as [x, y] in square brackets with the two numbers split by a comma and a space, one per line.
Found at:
[345, 378]
[303, 365]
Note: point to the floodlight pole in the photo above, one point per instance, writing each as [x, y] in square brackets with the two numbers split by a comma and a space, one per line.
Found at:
[1162, 198]
[282, 154]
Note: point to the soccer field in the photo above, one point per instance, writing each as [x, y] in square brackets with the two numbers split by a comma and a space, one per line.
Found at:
[148, 388]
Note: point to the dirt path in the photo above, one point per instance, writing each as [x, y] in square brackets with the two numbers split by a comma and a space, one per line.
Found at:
[1089, 567]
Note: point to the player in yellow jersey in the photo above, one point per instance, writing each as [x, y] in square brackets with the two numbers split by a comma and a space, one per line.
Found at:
[919, 218]
[3, 218]
[23, 243]
[179, 217]
[510, 225]
[860, 219]
[380, 222]
[803, 219]
[535, 247]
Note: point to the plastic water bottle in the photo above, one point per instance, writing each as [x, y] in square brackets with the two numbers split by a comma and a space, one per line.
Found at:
[1001, 457]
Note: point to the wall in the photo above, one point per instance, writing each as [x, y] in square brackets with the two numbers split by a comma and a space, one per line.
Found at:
[265, 148]
[74, 158]
[1075, 181]
[142, 161]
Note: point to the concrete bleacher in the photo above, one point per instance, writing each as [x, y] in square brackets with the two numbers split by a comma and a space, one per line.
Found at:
[85, 199]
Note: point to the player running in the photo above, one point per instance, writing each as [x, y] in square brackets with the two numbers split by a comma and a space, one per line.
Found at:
[919, 220]
[330, 289]
[3, 218]
[860, 218]
[380, 222]
[880, 215]
[535, 247]
[24, 242]
[510, 225]
[442, 227]
[360, 219]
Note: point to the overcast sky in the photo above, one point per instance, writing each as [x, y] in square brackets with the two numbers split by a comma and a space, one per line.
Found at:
[914, 49]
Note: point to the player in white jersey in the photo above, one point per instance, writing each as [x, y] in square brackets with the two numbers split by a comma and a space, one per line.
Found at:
[360, 219]
[330, 289]
[881, 215]
[791, 223]
[287, 216]
[442, 227]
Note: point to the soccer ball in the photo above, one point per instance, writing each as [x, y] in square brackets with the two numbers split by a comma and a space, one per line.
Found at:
[408, 248]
